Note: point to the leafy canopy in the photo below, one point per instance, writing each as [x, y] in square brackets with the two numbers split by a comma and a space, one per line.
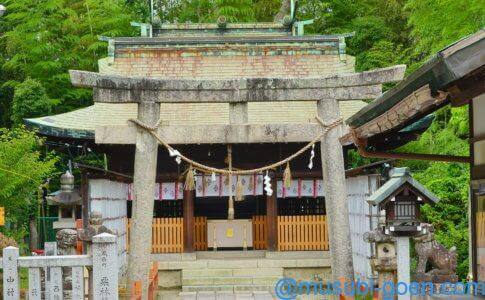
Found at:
[30, 100]
[43, 39]
[23, 168]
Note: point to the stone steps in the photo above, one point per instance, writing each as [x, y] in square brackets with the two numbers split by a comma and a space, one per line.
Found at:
[237, 276]
[227, 288]
[240, 275]
[232, 272]
[263, 280]
[211, 295]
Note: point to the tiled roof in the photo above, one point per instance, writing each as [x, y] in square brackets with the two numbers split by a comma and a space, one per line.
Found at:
[81, 123]
[399, 177]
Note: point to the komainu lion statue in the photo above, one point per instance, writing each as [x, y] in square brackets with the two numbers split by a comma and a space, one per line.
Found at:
[442, 260]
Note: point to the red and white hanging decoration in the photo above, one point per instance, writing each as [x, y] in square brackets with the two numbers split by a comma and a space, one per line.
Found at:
[253, 186]
[163, 191]
[217, 185]
[301, 188]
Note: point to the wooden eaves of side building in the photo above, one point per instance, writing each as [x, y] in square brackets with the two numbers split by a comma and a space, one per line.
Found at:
[456, 76]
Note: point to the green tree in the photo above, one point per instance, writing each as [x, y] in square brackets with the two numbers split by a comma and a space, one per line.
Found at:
[207, 11]
[23, 168]
[437, 23]
[43, 39]
[30, 100]
[235, 10]
[449, 181]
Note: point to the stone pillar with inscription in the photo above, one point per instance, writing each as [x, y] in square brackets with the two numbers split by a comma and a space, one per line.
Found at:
[105, 267]
[10, 273]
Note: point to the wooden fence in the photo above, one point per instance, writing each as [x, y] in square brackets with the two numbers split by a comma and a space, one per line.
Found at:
[480, 229]
[298, 233]
[259, 232]
[167, 234]
[295, 233]
[200, 233]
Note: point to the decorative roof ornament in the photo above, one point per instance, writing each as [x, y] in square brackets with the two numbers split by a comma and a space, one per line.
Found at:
[67, 182]
[68, 194]
[222, 22]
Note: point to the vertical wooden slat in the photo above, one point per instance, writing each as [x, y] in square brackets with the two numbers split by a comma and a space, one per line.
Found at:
[302, 233]
[200, 243]
[154, 236]
[259, 232]
[167, 235]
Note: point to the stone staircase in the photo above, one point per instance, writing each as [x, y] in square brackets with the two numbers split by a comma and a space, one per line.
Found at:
[241, 275]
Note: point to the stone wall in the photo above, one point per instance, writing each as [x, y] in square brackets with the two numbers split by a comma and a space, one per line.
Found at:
[214, 63]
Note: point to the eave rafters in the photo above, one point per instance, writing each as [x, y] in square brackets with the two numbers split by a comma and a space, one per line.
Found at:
[417, 103]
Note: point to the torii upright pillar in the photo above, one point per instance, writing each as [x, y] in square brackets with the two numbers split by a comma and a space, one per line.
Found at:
[333, 171]
[144, 186]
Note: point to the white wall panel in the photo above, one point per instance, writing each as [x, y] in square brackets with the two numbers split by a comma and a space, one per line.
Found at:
[358, 190]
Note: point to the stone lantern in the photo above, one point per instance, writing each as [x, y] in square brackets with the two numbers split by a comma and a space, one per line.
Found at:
[385, 259]
[68, 201]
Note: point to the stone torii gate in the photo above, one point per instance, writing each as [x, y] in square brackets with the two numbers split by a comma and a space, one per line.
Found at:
[150, 93]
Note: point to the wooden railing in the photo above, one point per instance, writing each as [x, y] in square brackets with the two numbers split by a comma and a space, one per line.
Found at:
[200, 233]
[295, 233]
[298, 233]
[259, 232]
[480, 229]
[167, 234]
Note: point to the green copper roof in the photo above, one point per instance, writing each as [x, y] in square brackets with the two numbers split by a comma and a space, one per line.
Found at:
[212, 29]
[399, 177]
[448, 65]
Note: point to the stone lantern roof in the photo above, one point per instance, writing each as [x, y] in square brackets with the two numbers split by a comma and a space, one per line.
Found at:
[399, 178]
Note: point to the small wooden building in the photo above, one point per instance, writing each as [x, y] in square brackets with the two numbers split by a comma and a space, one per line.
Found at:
[401, 197]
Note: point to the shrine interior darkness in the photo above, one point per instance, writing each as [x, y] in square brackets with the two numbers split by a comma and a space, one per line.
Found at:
[216, 207]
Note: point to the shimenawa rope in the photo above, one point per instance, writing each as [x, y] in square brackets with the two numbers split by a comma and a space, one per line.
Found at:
[209, 169]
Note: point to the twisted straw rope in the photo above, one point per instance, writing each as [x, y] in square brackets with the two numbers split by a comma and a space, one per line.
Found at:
[209, 169]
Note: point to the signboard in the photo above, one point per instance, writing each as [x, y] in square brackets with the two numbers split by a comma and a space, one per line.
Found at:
[2, 216]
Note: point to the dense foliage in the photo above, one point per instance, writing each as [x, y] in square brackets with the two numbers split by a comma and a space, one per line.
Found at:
[23, 168]
[43, 39]
[40, 40]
